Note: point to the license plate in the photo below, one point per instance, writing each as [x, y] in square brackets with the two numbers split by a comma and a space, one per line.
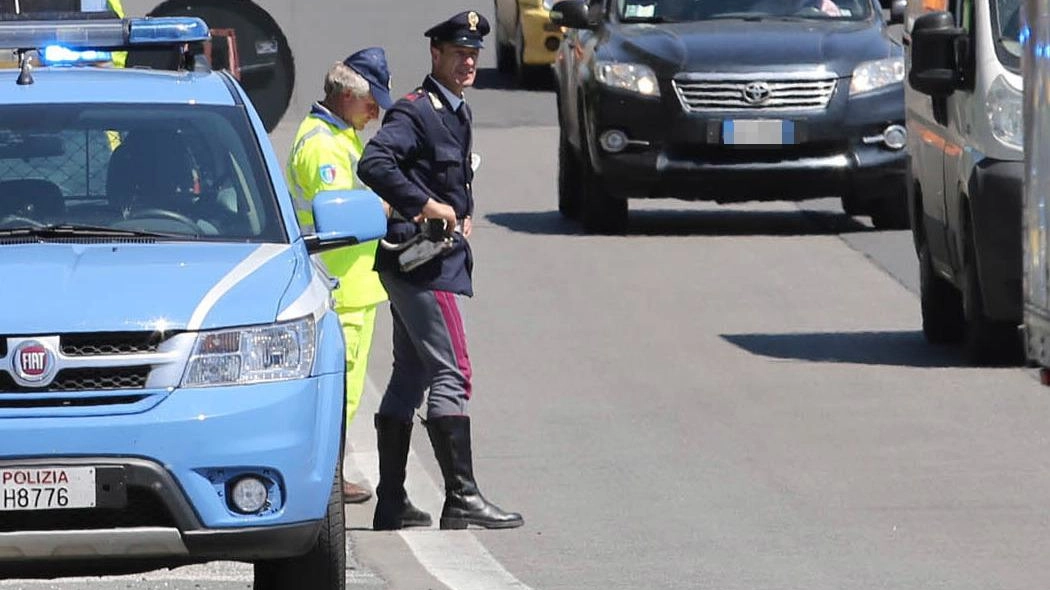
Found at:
[758, 132]
[47, 488]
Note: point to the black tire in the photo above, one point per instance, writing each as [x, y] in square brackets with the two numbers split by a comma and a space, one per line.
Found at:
[985, 341]
[324, 567]
[600, 212]
[569, 185]
[942, 310]
[892, 212]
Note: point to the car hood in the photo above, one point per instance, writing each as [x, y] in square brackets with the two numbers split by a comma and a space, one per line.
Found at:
[58, 288]
[737, 45]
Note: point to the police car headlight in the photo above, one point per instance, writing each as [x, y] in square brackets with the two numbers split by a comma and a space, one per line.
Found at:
[1005, 113]
[626, 76]
[872, 75]
[256, 354]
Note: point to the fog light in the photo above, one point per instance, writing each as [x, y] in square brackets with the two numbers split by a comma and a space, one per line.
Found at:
[551, 43]
[895, 137]
[248, 495]
[613, 140]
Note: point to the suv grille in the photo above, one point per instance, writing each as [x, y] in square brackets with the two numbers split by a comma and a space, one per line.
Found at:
[86, 379]
[753, 92]
[111, 343]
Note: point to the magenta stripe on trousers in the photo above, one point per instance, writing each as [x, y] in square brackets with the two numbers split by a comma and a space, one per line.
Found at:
[454, 322]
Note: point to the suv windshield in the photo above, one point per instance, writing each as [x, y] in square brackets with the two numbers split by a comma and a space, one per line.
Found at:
[185, 171]
[694, 10]
[1006, 19]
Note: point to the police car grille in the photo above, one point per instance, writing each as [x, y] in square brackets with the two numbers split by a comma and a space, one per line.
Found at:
[111, 343]
[143, 509]
[85, 379]
[715, 93]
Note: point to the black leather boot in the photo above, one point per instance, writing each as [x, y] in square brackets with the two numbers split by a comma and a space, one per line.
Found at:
[393, 509]
[464, 504]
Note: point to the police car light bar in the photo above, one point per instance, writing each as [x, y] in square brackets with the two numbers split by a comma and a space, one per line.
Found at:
[102, 34]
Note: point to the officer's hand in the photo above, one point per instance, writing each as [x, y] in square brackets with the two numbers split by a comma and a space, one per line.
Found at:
[436, 210]
[468, 225]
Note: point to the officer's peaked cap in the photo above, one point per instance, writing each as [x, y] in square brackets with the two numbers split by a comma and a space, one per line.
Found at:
[370, 64]
[466, 29]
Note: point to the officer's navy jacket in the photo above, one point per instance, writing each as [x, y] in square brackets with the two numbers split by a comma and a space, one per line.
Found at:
[423, 151]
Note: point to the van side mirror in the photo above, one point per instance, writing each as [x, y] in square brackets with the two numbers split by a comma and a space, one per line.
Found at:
[572, 14]
[897, 10]
[345, 218]
[934, 64]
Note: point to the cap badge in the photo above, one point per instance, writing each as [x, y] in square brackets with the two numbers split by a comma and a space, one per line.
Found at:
[472, 19]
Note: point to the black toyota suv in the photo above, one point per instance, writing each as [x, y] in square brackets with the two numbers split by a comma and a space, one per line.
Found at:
[729, 100]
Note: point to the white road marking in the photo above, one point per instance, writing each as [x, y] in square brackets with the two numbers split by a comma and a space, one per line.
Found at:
[456, 558]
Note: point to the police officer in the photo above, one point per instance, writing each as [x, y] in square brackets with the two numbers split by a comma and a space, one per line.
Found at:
[419, 162]
[324, 157]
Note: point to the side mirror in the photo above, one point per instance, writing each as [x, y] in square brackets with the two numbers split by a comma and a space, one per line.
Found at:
[572, 14]
[934, 66]
[345, 218]
[897, 10]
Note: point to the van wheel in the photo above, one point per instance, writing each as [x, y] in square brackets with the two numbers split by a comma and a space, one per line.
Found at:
[568, 180]
[892, 212]
[985, 341]
[600, 212]
[942, 312]
[324, 567]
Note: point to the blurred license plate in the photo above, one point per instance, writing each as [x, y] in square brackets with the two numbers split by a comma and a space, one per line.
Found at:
[758, 132]
[47, 488]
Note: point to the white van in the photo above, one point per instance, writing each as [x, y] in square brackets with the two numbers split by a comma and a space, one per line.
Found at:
[963, 101]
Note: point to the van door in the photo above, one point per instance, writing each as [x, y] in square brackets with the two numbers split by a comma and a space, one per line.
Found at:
[960, 112]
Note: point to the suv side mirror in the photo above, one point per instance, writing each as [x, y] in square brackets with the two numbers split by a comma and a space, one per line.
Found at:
[345, 218]
[897, 10]
[572, 14]
[934, 65]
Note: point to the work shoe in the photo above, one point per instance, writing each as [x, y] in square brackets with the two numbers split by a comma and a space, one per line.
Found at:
[464, 504]
[393, 508]
[355, 494]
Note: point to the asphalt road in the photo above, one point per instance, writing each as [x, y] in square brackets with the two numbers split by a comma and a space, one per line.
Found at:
[726, 398]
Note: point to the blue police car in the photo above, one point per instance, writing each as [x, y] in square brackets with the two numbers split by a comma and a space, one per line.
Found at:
[171, 370]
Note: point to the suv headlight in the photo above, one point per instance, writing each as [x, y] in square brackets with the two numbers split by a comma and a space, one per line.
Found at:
[255, 354]
[626, 76]
[872, 75]
[1005, 113]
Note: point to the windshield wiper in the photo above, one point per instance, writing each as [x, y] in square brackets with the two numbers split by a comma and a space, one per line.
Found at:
[647, 19]
[69, 230]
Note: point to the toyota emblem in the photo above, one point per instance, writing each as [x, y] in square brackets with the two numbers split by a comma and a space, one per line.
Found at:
[756, 93]
[33, 363]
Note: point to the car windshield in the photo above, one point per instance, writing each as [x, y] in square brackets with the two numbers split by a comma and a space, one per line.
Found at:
[694, 10]
[179, 171]
[1007, 19]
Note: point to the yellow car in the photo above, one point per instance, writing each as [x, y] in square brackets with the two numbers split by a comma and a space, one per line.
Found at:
[526, 39]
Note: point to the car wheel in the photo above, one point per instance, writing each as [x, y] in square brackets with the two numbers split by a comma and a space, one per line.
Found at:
[941, 303]
[600, 212]
[568, 180]
[892, 212]
[985, 341]
[324, 567]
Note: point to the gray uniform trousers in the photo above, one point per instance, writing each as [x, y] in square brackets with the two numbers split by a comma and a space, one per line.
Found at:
[430, 351]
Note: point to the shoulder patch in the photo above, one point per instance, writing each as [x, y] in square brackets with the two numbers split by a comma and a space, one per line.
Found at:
[414, 95]
[327, 173]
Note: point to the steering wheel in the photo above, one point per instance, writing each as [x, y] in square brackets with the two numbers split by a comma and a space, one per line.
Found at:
[156, 213]
[12, 221]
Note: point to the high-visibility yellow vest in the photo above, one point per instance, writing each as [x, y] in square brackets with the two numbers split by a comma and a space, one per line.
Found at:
[119, 57]
[324, 157]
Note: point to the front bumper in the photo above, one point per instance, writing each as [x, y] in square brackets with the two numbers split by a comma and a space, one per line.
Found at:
[541, 36]
[684, 155]
[174, 463]
[996, 193]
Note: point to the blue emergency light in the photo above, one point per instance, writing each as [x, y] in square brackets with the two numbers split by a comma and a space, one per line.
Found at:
[102, 34]
[56, 54]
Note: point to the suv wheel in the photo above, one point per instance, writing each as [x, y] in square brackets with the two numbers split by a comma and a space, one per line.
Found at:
[324, 567]
[568, 180]
[600, 212]
[985, 341]
[942, 311]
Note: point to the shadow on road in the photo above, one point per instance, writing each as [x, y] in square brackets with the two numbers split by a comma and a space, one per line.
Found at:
[492, 79]
[694, 223]
[900, 348]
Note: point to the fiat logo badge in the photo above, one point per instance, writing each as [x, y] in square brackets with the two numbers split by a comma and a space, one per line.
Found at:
[33, 363]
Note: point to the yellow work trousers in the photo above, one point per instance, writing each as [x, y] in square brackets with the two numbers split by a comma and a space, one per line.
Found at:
[358, 324]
